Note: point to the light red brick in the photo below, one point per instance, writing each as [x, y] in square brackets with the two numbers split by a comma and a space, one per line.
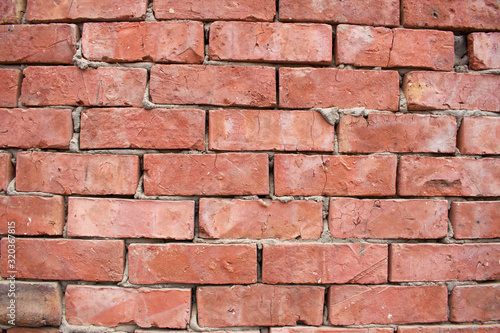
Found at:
[384, 304]
[479, 219]
[140, 128]
[325, 263]
[271, 42]
[259, 219]
[448, 176]
[270, 130]
[117, 218]
[259, 305]
[335, 175]
[10, 87]
[6, 170]
[11, 11]
[208, 174]
[36, 128]
[214, 85]
[66, 259]
[445, 91]
[397, 133]
[111, 306]
[479, 135]
[181, 42]
[343, 88]
[65, 85]
[484, 50]
[301, 329]
[63, 173]
[192, 263]
[31, 215]
[388, 219]
[475, 303]
[444, 262]
[449, 329]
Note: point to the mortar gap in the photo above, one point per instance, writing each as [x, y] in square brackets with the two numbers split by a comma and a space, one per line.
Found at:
[277, 88]
[259, 262]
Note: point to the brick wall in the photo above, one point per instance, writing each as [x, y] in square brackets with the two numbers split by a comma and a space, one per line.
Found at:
[298, 166]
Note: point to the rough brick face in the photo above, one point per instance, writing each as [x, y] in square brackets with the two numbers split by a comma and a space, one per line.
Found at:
[479, 135]
[475, 219]
[299, 329]
[483, 50]
[10, 87]
[6, 170]
[449, 329]
[11, 11]
[475, 303]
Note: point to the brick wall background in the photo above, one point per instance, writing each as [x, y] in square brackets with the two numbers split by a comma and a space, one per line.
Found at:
[298, 166]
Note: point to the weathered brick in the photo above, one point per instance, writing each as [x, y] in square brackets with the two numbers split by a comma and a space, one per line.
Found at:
[483, 50]
[192, 263]
[66, 259]
[112, 306]
[90, 217]
[478, 219]
[259, 305]
[84, 10]
[11, 11]
[63, 173]
[445, 91]
[208, 174]
[32, 215]
[259, 219]
[475, 303]
[343, 88]
[335, 175]
[479, 135]
[211, 10]
[37, 303]
[395, 218]
[451, 14]
[182, 41]
[214, 85]
[398, 133]
[65, 85]
[448, 176]
[383, 304]
[35, 128]
[38, 43]
[270, 130]
[271, 42]
[444, 262]
[449, 329]
[10, 87]
[140, 128]
[378, 46]
[301, 329]
[325, 263]
[6, 170]
[33, 330]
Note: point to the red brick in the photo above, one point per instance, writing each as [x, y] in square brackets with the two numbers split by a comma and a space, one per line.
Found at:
[475, 303]
[383, 304]
[335, 175]
[37, 303]
[138, 41]
[112, 306]
[395, 218]
[10, 87]
[11, 11]
[449, 329]
[77, 174]
[270, 130]
[84, 10]
[444, 262]
[211, 10]
[91, 217]
[479, 135]
[33, 330]
[208, 174]
[214, 85]
[145, 129]
[259, 219]
[271, 42]
[451, 14]
[259, 305]
[192, 263]
[6, 170]
[483, 50]
[478, 219]
[326, 87]
[32, 215]
[448, 176]
[104, 86]
[368, 12]
[300, 329]
[324, 263]
[397, 133]
[38, 43]
[66, 259]
[445, 91]
[35, 128]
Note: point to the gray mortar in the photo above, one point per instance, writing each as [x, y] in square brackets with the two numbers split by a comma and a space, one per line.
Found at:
[461, 58]
[11, 190]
